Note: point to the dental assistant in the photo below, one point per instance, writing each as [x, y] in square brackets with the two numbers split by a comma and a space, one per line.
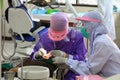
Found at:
[104, 56]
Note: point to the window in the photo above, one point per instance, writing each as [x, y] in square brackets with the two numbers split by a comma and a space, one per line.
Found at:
[87, 2]
[116, 3]
[63, 1]
[84, 2]
[77, 2]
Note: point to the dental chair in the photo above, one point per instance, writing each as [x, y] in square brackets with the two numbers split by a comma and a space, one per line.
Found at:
[20, 24]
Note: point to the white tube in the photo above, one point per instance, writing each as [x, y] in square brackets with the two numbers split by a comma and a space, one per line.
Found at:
[103, 6]
[72, 9]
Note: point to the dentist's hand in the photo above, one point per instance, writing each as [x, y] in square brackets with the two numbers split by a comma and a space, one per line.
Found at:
[59, 60]
[58, 53]
[42, 53]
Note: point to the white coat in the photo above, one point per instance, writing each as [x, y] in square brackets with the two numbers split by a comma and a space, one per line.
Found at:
[104, 53]
[105, 60]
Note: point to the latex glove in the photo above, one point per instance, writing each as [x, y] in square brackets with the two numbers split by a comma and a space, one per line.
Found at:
[57, 53]
[42, 53]
[59, 60]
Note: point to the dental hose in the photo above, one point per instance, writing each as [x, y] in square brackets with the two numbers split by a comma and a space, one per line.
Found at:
[7, 64]
[3, 41]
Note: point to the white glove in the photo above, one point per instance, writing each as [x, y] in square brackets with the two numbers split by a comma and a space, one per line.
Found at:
[41, 53]
[57, 53]
[59, 60]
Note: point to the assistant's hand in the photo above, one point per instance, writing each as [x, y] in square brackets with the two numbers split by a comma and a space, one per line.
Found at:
[58, 53]
[59, 60]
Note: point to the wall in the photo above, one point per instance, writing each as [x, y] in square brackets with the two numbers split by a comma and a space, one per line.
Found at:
[84, 9]
[0, 32]
[117, 27]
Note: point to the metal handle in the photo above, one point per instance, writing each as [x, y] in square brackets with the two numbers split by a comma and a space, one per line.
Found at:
[55, 74]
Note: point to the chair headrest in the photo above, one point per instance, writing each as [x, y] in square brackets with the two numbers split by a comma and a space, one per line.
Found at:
[16, 3]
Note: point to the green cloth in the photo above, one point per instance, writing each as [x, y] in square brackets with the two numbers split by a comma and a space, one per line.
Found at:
[47, 60]
[7, 66]
[51, 11]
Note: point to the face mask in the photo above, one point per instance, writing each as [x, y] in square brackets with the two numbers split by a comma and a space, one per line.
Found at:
[84, 33]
